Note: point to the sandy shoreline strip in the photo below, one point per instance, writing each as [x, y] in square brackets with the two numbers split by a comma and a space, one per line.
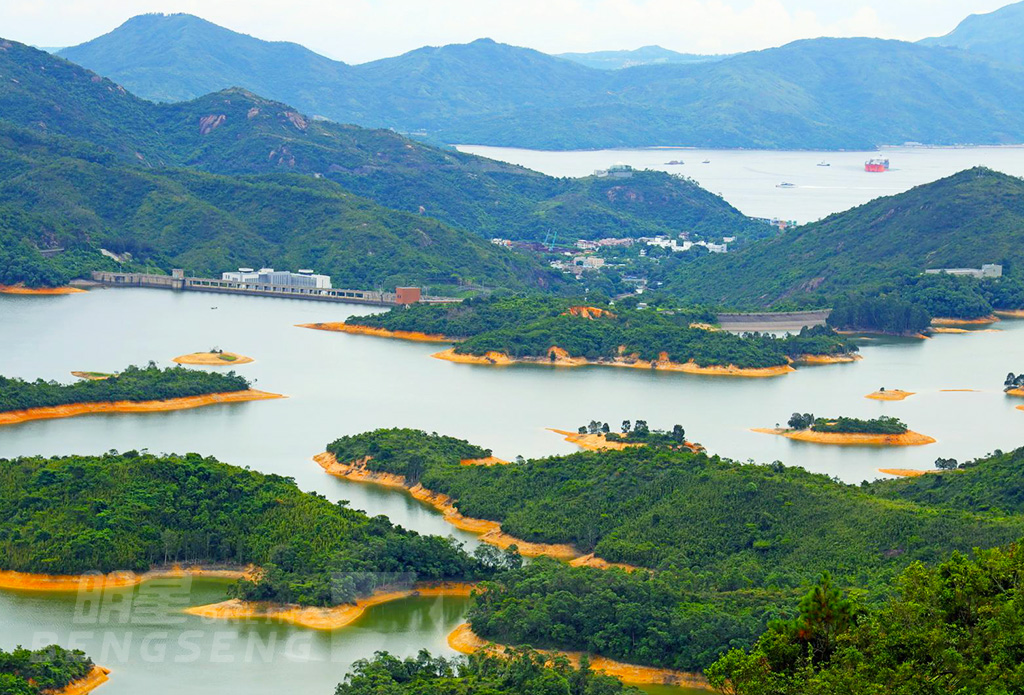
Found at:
[40, 291]
[1015, 392]
[94, 679]
[828, 359]
[317, 618]
[562, 359]
[1010, 313]
[908, 438]
[212, 359]
[489, 531]
[13, 417]
[415, 336]
[890, 395]
[599, 442]
[904, 472]
[465, 641]
[63, 583]
[983, 321]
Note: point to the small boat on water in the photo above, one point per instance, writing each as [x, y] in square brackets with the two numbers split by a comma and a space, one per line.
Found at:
[706, 161]
[785, 184]
[674, 162]
[824, 164]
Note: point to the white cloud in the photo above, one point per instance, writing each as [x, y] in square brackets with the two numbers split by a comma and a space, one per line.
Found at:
[359, 30]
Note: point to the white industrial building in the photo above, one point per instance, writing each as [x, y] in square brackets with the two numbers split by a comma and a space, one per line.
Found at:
[280, 278]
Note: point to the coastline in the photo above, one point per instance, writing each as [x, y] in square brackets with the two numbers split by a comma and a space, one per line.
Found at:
[63, 583]
[489, 531]
[318, 618]
[13, 417]
[486, 461]
[905, 472]
[462, 639]
[1010, 313]
[828, 359]
[908, 438]
[982, 321]
[415, 336]
[94, 679]
[894, 395]
[598, 442]
[1019, 392]
[20, 289]
[498, 359]
[212, 359]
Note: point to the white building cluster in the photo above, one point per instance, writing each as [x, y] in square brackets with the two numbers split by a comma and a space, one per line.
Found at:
[281, 278]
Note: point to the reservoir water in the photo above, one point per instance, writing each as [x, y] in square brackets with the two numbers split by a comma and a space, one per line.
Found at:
[340, 384]
[749, 178]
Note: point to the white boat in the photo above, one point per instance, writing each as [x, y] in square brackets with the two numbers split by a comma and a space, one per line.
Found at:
[785, 184]
[824, 164]
[706, 161]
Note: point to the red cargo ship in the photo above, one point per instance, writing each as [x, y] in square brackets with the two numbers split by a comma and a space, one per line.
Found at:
[877, 165]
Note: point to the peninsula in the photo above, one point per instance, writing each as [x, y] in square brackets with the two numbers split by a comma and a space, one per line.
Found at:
[51, 670]
[848, 431]
[284, 547]
[133, 390]
[543, 330]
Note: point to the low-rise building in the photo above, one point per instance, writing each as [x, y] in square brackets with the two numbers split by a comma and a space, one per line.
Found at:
[988, 270]
[280, 278]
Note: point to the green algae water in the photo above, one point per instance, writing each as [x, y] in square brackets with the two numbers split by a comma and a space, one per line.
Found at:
[340, 384]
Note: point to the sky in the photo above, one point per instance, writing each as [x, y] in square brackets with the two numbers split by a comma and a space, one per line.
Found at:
[356, 31]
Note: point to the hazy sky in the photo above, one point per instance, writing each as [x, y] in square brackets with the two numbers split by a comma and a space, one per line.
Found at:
[361, 30]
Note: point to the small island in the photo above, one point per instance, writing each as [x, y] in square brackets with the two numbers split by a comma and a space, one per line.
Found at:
[541, 330]
[133, 390]
[881, 431]
[1014, 384]
[597, 436]
[214, 358]
[884, 394]
[51, 670]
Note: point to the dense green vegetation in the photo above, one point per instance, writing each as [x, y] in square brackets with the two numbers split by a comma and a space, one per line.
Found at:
[134, 511]
[953, 628]
[524, 673]
[529, 326]
[882, 248]
[993, 485]
[637, 433]
[884, 314]
[403, 451]
[490, 93]
[133, 384]
[731, 542]
[847, 425]
[35, 672]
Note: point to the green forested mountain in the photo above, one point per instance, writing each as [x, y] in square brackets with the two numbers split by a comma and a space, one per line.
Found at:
[997, 35]
[821, 93]
[134, 511]
[236, 132]
[206, 223]
[965, 220]
[954, 628]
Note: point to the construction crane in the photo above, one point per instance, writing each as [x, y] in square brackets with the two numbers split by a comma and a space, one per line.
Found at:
[549, 240]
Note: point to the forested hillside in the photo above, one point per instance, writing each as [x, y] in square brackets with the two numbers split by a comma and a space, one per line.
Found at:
[965, 220]
[41, 671]
[234, 131]
[144, 510]
[821, 93]
[531, 326]
[997, 35]
[951, 628]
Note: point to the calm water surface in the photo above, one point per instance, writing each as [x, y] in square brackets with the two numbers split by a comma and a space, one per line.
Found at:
[339, 384]
[748, 178]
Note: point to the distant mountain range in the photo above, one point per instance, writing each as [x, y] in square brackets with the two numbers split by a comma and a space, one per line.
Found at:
[997, 35]
[645, 55]
[86, 164]
[965, 220]
[821, 93]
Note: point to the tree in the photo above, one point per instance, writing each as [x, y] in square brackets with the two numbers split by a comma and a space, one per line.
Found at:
[641, 429]
[946, 464]
[801, 422]
[678, 434]
[625, 426]
[824, 614]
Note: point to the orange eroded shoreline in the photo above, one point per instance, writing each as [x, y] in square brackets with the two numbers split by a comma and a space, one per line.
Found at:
[63, 583]
[1010, 313]
[316, 618]
[828, 359]
[908, 438]
[489, 531]
[894, 395]
[94, 679]
[416, 336]
[463, 639]
[598, 442]
[13, 417]
[486, 461]
[43, 291]
[1015, 392]
[212, 359]
[562, 359]
[984, 320]
[904, 472]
